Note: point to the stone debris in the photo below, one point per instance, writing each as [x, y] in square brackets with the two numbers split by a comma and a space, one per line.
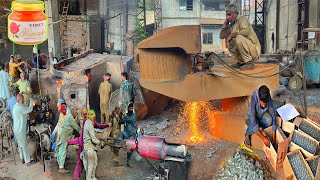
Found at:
[154, 125]
[242, 166]
[210, 154]
[310, 129]
[313, 164]
[298, 167]
[307, 143]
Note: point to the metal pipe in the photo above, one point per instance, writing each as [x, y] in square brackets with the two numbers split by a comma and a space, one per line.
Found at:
[304, 77]
[156, 147]
[38, 69]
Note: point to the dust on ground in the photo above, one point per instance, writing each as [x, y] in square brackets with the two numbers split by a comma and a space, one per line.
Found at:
[207, 157]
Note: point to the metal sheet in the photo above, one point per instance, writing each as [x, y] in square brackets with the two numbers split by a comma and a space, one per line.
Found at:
[186, 37]
[203, 87]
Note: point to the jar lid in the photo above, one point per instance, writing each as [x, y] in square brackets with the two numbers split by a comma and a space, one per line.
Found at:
[27, 5]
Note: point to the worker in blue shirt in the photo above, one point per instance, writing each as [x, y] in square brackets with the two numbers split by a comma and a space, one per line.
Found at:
[261, 114]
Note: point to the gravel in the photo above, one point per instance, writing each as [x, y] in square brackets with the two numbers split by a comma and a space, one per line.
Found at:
[242, 166]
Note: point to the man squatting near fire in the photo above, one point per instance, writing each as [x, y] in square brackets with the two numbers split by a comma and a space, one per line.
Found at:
[261, 114]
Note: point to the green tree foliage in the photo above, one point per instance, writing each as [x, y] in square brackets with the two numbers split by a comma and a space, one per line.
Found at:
[140, 34]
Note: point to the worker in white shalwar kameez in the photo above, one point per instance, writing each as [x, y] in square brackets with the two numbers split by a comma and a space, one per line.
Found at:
[89, 153]
[20, 112]
[5, 79]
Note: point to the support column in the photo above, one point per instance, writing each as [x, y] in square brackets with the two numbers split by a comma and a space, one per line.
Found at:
[53, 30]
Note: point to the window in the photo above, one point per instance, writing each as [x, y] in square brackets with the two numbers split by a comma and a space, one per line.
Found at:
[207, 38]
[214, 5]
[185, 4]
[74, 7]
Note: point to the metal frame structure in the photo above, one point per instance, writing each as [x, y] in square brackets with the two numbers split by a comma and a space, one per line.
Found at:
[141, 15]
[157, 16]
[246, 8]
[260, 21]
[302, 22]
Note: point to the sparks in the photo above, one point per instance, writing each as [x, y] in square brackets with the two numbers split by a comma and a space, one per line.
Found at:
[195, 112]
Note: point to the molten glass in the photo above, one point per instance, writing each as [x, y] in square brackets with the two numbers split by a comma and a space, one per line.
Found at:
[198, 113]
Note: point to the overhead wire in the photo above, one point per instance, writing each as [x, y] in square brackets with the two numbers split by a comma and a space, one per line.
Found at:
[234, 71]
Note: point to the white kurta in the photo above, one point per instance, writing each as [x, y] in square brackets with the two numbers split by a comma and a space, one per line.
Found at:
[4, 85]
[19, 114]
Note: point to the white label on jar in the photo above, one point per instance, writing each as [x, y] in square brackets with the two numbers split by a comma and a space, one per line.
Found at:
[27, 32]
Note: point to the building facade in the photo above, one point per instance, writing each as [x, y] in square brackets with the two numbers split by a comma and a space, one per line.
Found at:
[209, 14]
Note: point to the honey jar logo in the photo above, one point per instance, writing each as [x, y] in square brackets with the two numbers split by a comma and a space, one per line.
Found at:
[14, 29]
[27, 33]
[27, 23]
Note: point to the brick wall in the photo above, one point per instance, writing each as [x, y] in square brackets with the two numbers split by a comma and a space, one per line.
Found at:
[76, 33]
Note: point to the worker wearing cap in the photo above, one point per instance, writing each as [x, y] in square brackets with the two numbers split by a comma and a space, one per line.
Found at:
[89, 154]
[104, 91]
[24, 87]
[19, 114]
[5, 80]
[261, 114]
[242, 42]
[61, 102]
[129, 121]
[79, 141]
[127, 91]
[114, 130]
[66, 134]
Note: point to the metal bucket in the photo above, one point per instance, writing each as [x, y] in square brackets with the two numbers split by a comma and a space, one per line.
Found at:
[50, 162]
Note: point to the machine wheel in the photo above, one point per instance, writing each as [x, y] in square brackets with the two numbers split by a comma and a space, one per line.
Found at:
[295, 83]
[2, 104]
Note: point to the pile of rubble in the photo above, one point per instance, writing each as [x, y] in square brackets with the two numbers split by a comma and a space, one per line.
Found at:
[153, 125]
[242, 166]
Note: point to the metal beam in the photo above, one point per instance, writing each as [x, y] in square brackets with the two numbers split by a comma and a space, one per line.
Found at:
[260, 22]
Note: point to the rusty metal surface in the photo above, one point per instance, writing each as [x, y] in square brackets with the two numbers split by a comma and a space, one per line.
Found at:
[158, 65]
[186, 37]
[203, 87]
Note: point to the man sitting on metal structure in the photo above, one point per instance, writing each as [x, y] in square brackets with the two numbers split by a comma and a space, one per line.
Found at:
[242, 42]
[104, 91]
[66, 134]
[127, 91]
[261, 114]
[20, 113]
[130, 128]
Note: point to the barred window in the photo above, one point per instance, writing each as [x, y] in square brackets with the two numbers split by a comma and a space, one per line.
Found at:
[207, 38]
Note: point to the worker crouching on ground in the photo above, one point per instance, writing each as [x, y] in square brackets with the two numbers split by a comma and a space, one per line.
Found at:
[129, 121]
[105, 90]
[79, 141]
[66, 134]
[261, 114]
[241, 40]
[89, 153]
[20, 113]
